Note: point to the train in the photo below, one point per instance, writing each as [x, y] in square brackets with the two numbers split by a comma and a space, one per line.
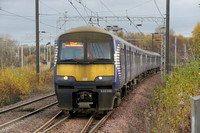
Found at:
[94, 69]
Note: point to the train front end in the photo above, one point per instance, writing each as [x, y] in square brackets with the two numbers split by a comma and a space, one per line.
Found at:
[84, 71]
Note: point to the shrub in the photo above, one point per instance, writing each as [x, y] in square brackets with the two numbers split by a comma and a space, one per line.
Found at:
[172, 104]
[15, 83]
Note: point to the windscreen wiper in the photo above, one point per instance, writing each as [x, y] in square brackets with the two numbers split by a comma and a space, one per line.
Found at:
[71, 60]
[101, 59]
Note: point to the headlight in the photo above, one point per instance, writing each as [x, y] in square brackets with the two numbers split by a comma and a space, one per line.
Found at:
[66, 78]
[104, 78]
[100, 78]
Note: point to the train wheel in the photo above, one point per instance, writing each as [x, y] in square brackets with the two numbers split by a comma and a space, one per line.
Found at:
[131, 85]
[115, 103]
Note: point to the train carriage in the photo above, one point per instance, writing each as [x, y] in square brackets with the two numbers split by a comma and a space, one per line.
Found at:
[93, 68]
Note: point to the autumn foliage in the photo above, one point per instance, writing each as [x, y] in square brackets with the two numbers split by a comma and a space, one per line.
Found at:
[172, 103]
[171, 108]
[196, 41]
[15, 83]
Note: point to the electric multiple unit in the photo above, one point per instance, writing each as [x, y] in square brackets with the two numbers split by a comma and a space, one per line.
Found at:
[94, 68]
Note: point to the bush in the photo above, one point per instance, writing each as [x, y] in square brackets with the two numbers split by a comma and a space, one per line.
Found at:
[172, 104]
[15, 83]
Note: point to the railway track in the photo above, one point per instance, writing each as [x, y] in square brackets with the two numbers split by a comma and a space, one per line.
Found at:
[20, 115]
[90, 127]
[52, 123]
[27, 103]
[26, 115]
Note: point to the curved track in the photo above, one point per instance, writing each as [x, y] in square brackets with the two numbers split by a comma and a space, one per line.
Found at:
[24, 116]
[21, 105]
[52, 123]
[91, 129]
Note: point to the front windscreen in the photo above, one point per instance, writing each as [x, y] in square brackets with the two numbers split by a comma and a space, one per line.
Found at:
[98, 50]
[72, 50]
[87, 46]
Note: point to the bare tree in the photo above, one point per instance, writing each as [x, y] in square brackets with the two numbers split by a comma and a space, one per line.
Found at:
[7, 50]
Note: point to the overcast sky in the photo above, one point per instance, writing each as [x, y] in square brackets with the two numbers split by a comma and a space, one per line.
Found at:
[184, 15]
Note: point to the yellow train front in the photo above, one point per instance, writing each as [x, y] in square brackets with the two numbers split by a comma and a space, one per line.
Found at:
[84, 70]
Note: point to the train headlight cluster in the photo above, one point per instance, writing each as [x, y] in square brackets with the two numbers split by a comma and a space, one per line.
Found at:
[104, 79]
[100, 78]
[66, 78]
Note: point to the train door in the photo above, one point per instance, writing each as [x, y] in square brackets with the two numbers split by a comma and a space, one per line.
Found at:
[148, 62]
[128, 63]
[143, 62]
[122, 62]
[139, 62]
[132, 64]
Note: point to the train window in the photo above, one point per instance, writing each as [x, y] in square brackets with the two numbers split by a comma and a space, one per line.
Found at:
[72, 50]
[98, 50]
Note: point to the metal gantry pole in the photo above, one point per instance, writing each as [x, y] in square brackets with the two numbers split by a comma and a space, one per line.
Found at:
[22, 54]
[167, 34]
[50, 55]
[37, 38]
[175, 53]
[163, 53]
[152, 42]
[47, 53]
[185, 54]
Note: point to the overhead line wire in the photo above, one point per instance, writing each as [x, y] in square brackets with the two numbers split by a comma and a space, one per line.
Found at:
[86, 7]
[77, 11]
[26, 18]
[17, 15]
[158, 9]
[91, 11]
[134, 25]
[107, 7]
[140, 4]
[49, 7]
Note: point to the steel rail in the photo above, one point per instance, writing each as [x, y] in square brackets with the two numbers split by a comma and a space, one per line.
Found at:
[24, 116]
[102, 121]
[48, 122]
[86, 127]
[53, 126]
[18, 106]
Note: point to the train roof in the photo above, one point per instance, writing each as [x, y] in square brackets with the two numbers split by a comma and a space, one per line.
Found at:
[88, 29]
[100, 30]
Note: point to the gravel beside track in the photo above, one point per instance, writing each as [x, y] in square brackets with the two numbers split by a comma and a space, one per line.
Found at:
[129, 116]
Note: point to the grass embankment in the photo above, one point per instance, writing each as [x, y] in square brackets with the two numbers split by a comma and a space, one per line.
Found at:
[17, 83]
[171, 111]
